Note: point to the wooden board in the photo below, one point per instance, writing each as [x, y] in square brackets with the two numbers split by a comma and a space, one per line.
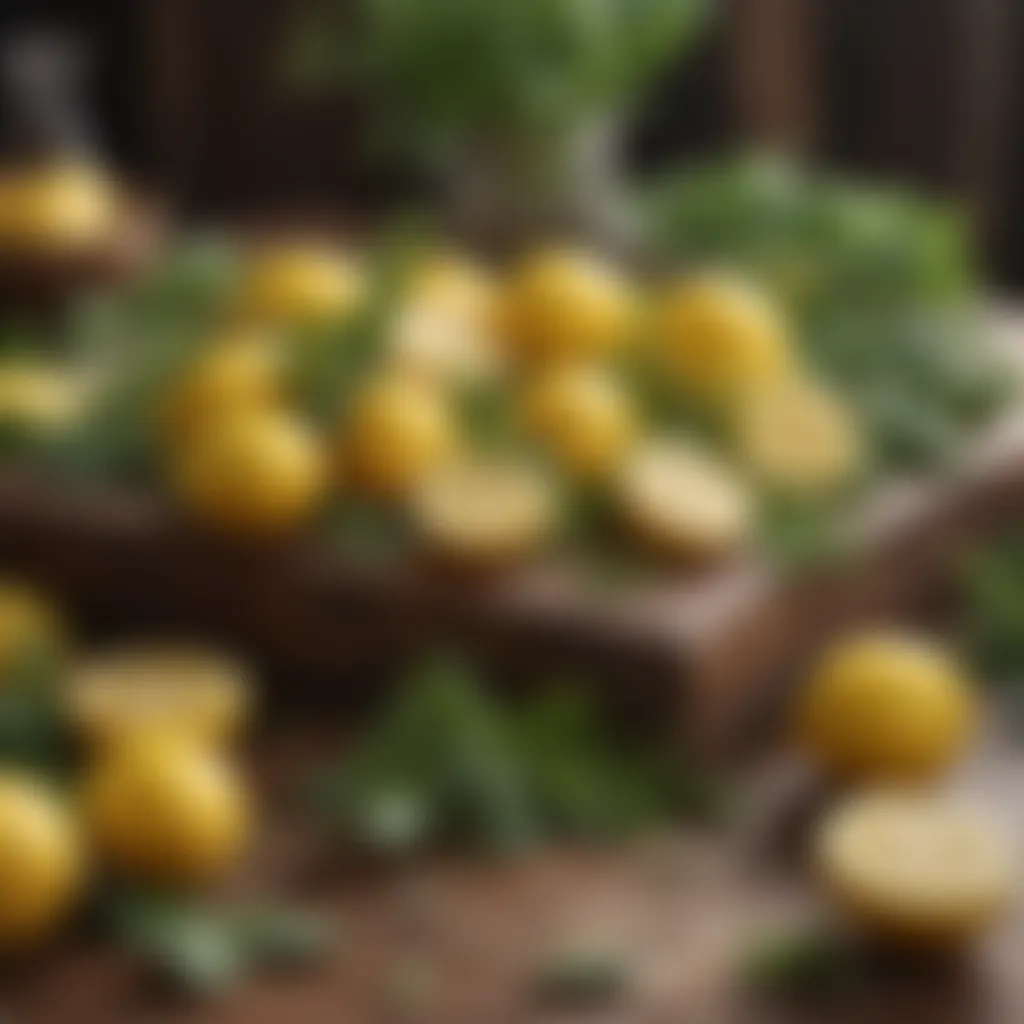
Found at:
[704, 652]
[457, 941]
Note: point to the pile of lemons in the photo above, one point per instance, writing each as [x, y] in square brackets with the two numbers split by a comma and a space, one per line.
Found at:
[559, 341]
[156, 797]
[890, 714]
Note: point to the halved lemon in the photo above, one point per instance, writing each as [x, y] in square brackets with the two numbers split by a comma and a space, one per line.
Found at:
[685, 502]
[191, 691]
[916, 868]
[484, 512]
[797, 436]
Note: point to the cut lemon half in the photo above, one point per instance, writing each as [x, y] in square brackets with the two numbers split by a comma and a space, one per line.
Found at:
[684, 502]
[915, 868]
[485, 512]
[188, 691]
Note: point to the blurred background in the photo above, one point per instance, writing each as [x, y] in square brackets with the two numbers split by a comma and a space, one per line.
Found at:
[190, 95]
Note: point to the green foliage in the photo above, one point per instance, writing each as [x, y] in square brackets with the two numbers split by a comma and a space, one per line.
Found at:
[447, 762]
[136, 342]
[329, 365]
[33, 732]
[824, 245]
[447, 70]
[203, 949]
[800, 962]
[880, 283]
[993, 591]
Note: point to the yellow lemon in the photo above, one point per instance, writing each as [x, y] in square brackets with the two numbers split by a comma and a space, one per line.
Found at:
[583, 415]
[915, 869]
[397, 431]
[300, 285]
[57, 208]
[38, 397]
[485, 512]
[719, 336]
[258, 474]
[685, 502]
[166, 810]
[195, 692]
[797, 437]
[42, 867]
[564, 305]
[242, 372]
[29, 625]
[887, 706]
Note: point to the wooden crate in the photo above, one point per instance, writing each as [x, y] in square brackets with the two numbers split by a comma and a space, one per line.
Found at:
[705, 652]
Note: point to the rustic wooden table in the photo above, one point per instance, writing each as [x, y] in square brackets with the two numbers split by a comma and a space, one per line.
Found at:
[458, 942]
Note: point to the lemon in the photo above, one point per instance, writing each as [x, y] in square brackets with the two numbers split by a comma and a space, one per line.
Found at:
[458, 289]
[886, 706]
[38, 397]
[42, 867]
[59, 208]
[797, 437]
[241, 372]
[191, 691]
[565, 305]
[485, 512]
[683, 501]
[397, 431]
[719, 336]
[166, 810]
[259, 474]
[914, 868]
[300, 285]
[29, 625]
[583, 415]
[431, 344]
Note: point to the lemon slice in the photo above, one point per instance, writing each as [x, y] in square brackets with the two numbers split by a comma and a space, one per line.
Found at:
[684, 502]
[41, 397]
[485, 512]
[798, 437]
[438, 345]
[915, 868]
[187, 691]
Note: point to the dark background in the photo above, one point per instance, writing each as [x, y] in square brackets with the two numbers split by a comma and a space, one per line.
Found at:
[188, 94]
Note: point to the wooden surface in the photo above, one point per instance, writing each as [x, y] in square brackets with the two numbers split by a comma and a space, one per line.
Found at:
[457, 942]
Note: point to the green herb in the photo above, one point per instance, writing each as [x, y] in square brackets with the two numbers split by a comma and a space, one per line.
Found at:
[205, 949]
[446, 761]
[456, 69]
[578, 979]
